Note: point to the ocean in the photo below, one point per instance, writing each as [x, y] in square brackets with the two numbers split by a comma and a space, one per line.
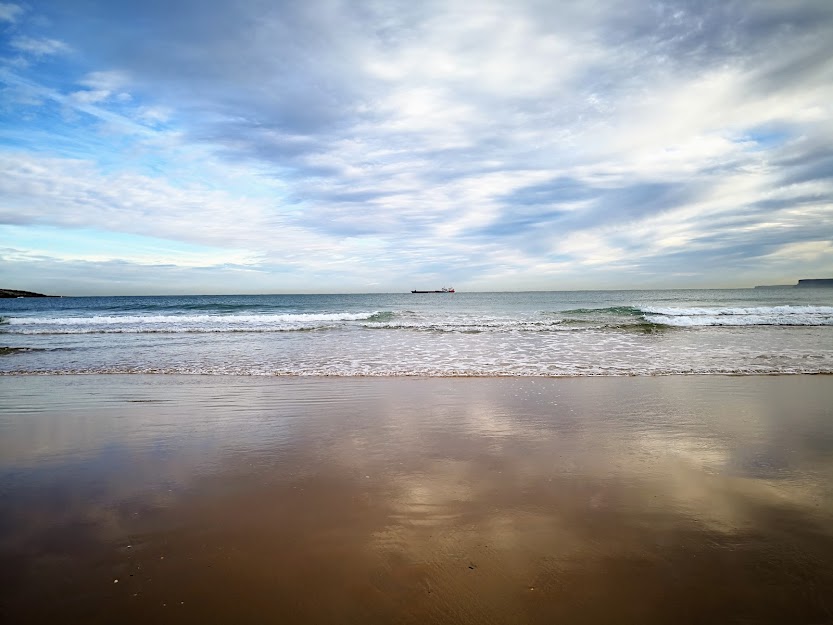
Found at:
[557, 333]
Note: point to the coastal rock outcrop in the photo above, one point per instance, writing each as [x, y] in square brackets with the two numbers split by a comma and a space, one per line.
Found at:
[816, 283]
[14, 293]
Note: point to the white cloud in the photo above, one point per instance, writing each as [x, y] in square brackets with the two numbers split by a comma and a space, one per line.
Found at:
[805, 251]
[105, 81]
[513, 140]
[10, 12]
[100, 87]
[38, 47]
[152, 256]
[75, 193]
[154, 114]
[89, 96]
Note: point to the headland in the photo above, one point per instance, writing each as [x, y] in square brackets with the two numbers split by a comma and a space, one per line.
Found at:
[805, 283]
[15, 293]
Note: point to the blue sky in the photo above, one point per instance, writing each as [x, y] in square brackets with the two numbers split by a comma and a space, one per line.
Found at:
[250, 146]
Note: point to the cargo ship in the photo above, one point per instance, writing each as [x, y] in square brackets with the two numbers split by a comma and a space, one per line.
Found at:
[443, 290]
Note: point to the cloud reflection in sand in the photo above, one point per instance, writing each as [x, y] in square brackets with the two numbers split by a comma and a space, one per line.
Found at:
[467, 499]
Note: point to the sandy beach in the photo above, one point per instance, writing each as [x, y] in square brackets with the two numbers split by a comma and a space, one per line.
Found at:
[196, 499]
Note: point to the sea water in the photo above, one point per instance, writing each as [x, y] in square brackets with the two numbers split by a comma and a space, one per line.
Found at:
[742, 331]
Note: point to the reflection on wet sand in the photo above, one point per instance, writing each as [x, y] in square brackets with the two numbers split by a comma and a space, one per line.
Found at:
[627, 500]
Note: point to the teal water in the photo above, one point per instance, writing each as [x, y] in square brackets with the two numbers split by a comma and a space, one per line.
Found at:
[742, 331]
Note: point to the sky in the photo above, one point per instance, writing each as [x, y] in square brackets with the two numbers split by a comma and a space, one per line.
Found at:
[261, 146]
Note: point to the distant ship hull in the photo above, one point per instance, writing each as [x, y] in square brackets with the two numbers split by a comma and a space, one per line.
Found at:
[448, 290]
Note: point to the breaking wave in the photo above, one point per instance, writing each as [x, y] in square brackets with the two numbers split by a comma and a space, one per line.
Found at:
[740, 316]
[616, 319]
[705, 316]
[137, 324]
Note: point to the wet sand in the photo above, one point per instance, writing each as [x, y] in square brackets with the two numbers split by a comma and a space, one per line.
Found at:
[187, 499]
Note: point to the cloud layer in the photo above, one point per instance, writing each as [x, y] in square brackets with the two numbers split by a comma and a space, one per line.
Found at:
[377, 145]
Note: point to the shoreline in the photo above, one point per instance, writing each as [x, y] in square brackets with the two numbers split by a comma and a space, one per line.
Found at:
[417, 376]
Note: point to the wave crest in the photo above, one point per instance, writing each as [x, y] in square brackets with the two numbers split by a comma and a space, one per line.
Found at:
[740, 316]
[137, 324]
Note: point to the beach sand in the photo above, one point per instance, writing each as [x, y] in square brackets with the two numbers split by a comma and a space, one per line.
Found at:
[190, 499]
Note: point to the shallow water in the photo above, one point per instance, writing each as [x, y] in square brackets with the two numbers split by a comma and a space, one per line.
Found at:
[747, 331]
[241, 499]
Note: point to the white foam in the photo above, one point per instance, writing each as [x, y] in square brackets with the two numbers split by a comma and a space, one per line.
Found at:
[740, 310]
[469, 325]
[564, 371]
[138, 324]
[740, 316]
[191, 319]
